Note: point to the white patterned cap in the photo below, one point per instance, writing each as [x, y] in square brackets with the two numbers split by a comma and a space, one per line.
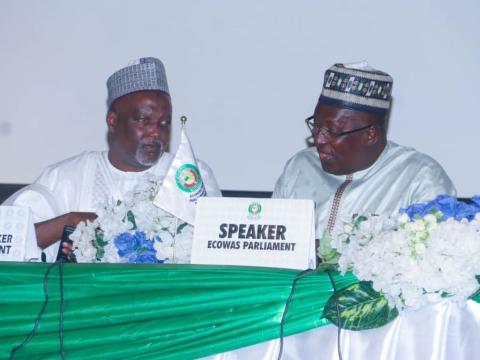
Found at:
[357, 86]
[143, 74]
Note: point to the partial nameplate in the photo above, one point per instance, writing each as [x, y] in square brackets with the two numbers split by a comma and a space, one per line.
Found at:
[254, 232]
[15, 228]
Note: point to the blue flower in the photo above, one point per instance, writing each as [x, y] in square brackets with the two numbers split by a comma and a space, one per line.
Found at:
[146, 244]
[136, 248]
[448, 205]
[127, 243]
[465, 211]
[414, 210]
[476, 203]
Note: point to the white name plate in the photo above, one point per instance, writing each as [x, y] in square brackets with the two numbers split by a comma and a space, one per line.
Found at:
[15, 230]
[254, 232]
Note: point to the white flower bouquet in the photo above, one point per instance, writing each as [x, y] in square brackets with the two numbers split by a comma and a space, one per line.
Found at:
[134, 231]
[427, 252]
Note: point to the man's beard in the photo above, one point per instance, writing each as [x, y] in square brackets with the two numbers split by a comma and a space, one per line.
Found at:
[148, 152]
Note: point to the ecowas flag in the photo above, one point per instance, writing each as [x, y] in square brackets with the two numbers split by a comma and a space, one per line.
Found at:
[183, 184]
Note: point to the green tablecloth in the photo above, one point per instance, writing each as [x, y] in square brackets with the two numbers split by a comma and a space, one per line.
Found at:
[117, 311]
[148, 311]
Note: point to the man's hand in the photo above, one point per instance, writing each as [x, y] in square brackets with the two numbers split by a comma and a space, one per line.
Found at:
[74, 218]
[50, 231]
[67, 249]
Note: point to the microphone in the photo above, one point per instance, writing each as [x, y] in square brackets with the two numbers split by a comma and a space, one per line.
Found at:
[61, 256]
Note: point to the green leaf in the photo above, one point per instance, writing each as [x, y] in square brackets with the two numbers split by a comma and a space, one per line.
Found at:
[359, 220]
[325, 251]
[181, 227]
[360, 308]
[99, 244]
[99, 238]
[100, 254]
[327, 267]
[475, 296]
[131, 218]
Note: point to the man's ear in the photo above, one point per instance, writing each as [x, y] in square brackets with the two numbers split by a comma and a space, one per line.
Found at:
[111, 120]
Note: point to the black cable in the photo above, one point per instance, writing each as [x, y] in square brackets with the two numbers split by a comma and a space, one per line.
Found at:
[62, 308]
[287, 303]
[39, 316]
[339, 325]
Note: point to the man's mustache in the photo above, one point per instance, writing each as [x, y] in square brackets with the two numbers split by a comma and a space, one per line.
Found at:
[151, 142]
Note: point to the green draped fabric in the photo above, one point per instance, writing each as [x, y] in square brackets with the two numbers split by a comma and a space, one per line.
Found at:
[117, 311]
[146, 311]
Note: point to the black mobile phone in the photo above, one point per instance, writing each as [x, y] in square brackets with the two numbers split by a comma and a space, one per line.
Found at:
[67, 230]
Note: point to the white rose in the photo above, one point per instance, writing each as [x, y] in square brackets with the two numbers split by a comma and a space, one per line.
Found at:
[403, 219]
[420, 248]
[111, 254]
[430, 219]
[419, 225]
[347, 228]
[163, 251]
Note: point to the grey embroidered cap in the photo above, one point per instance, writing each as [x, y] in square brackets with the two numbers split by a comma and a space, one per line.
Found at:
[143, 74]
[357, 86]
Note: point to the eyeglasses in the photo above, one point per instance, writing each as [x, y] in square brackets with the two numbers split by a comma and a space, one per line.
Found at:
[325, 132]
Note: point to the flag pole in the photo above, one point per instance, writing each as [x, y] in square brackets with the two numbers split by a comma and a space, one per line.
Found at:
[183, 120]
[174, 261]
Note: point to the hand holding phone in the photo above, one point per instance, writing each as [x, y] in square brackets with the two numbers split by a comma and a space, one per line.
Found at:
[61, 256]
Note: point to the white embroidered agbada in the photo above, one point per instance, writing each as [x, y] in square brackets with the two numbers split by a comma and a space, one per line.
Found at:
[81, 182]
[401, 176]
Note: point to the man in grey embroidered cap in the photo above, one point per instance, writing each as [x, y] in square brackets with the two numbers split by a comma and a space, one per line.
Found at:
[139, 120]
[353, 168]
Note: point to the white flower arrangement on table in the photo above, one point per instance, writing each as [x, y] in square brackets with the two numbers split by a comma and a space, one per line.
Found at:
[134, 231]
[427, 252]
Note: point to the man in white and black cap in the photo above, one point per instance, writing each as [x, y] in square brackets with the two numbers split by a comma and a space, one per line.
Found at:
[139, 123]
[353, 168]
